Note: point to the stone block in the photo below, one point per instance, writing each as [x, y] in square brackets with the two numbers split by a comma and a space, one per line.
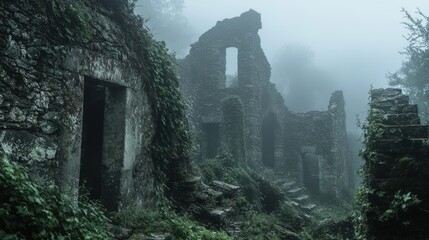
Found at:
[398, 108]
[389, 92]
[25, 146]
[402, 119]
[404, 132]
[400, 145]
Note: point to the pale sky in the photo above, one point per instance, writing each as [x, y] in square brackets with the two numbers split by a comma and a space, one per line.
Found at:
[358, 41]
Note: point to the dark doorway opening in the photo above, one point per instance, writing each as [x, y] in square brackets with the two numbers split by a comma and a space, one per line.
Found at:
[311, 172]
[103, 142]
[269, 127]
[92, 139]
[212, 139]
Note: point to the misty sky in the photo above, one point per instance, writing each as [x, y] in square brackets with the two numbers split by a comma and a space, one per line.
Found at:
[356, 42]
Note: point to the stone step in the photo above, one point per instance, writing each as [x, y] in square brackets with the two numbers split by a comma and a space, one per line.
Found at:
[308, 207]
[402, 119]
[234, 229]
[288, 185]
[295, 192]
[400, 145]
[386, 100]
[218, 215]
[302, 199]
[152, 236]
[405, 131]
[293, 203]
[385, 92]
[398, 109]
[225, 187]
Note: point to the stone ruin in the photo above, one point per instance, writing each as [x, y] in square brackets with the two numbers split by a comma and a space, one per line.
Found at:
[74, 115]
[77, 115]
[395, 192]
[311, 146]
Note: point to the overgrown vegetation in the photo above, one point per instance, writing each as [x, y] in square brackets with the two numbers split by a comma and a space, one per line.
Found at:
[29, 211]
[262, 210]
[414, 72]
[388, 200]
[170, 144]
[78, 24]
[372, 130]
[178, 227]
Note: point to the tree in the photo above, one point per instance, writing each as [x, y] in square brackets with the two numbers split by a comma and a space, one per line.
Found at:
[413, 76]
[167, 23]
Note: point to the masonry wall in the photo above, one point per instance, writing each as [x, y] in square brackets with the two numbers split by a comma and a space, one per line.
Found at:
[322, 136]
[203, 77]
[395, 191]
[266, 117]
[41, 95]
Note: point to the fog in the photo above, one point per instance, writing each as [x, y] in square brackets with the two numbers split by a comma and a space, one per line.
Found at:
[346, 45]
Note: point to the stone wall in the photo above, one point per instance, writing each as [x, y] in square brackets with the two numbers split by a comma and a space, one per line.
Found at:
[43, 70]
[204, 80]
[273, 136]
[317, 140]
[394, 197]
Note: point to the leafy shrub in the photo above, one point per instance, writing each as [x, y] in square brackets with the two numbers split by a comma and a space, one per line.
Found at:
[180, 227]
[28, 211]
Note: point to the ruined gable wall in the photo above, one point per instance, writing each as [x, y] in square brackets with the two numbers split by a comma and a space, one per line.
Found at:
[203, 83]
[203, 76]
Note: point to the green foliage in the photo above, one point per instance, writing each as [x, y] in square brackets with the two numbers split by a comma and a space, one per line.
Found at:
[372, 131]
[414, 72]
[170, 142]
[72, 21]
[284, 223]
[224, 169]
[179, 227]
[333, 229]
[170, 146]
[31, 212]
[400, 204]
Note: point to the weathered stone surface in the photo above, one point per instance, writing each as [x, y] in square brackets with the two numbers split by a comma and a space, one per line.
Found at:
[225, 187]
[273, 136]
[27, 147]
[42, 77]
[396, 166]
[400, 119]
[120, 232]
[405, 131]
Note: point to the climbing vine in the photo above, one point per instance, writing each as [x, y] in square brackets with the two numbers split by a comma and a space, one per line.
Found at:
[77, 23]
[372, 131]
[170, 144]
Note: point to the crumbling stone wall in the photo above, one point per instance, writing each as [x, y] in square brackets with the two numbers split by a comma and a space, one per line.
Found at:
[266, 117]
[394, 196]
[47, 52]
[203, 77]
[233, 129]
[320, 137]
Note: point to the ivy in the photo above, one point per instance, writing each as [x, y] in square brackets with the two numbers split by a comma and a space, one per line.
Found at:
[28, 211]
[170, 144]
[72, 21]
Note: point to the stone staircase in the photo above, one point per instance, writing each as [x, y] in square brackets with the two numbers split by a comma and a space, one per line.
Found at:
[297, 196]
[221, 216]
